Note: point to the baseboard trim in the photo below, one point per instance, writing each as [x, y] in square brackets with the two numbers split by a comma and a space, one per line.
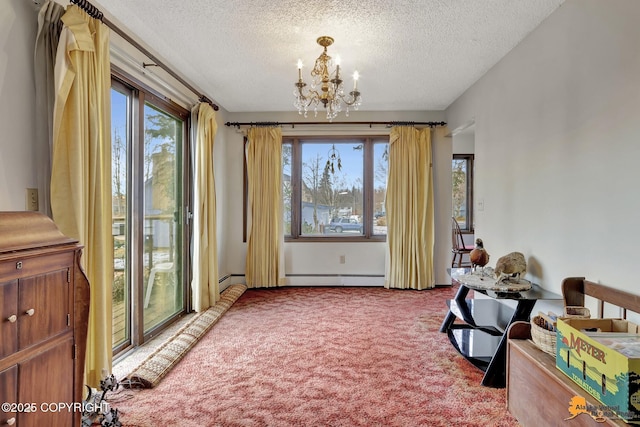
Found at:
[374, 280]
[318, 280]
[333, 280]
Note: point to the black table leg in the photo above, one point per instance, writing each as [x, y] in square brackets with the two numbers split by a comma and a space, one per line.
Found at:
[494, 376]
[460, 297]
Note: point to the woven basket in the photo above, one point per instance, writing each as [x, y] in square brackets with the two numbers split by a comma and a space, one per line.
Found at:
[543, 333]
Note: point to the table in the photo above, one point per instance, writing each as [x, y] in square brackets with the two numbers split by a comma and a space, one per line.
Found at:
[481, 339]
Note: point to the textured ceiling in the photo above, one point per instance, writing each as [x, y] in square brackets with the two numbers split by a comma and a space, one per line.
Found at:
[411, 54]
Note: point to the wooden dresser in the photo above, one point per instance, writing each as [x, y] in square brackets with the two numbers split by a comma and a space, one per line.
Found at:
[44, 311]
[537, 392]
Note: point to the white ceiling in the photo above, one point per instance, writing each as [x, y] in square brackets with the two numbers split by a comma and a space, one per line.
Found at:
[411, 54]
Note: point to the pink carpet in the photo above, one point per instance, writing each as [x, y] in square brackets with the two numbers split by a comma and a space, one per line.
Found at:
[322, 357]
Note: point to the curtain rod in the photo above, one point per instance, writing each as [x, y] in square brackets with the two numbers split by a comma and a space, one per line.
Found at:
[94, 12]
[293, 124]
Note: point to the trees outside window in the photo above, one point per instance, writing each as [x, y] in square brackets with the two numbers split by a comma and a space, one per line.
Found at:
[462, 191]
[334, 187]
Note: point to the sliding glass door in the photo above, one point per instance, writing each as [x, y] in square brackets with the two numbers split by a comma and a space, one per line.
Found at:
[121, 101]
[162, 194]
[148, 169]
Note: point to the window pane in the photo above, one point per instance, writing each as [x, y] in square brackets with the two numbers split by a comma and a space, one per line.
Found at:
[286, 187]
[460, 202]
[332, 189]
[324, 193]
[161, 255]
[120, 292]
[380, 170]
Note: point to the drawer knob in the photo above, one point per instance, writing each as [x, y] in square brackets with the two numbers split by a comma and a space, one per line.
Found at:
[11, 421]
[30, 312]
[12, 318]
[19, 265]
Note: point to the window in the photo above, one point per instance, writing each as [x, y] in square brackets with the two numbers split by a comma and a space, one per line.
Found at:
[335, 187]
[149, 138]
[462, 194]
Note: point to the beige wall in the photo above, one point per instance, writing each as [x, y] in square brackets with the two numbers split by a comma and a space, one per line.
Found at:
[17, 103]
[556, 145]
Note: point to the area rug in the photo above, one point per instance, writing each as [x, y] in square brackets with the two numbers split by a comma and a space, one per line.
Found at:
[313, 356]
[151, 370]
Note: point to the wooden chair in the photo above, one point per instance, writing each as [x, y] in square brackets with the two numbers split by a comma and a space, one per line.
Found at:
[574, 290]
[458, 248]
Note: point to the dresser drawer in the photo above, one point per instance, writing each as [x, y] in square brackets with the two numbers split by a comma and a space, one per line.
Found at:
[33, 265]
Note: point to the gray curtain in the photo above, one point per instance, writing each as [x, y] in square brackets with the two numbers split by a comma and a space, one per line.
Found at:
[49, 28]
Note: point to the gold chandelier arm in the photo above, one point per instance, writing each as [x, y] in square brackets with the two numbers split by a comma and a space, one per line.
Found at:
[355, 95]
[312, 96]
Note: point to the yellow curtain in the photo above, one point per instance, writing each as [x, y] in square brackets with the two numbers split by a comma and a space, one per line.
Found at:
[204, 284]
[81, 168]
[410, 212]
[264, 172]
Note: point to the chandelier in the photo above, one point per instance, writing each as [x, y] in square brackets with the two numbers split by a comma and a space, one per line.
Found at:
[326, 86]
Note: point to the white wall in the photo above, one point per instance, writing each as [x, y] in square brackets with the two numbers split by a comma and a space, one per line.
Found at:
[464, 141]
[320, 258]
[556, 145]
[18, 25]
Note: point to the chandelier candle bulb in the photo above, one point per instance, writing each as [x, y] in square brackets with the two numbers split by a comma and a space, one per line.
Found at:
[300, 69]
[356, 76]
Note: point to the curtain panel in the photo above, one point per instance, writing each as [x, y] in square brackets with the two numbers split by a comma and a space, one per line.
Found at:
[49, 29]
[264, 264]
[410, 211]
[81, 168]
[204, 284]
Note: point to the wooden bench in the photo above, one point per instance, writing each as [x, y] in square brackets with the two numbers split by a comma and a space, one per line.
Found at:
[537, 392]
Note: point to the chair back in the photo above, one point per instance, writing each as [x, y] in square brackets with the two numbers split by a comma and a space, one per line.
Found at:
[456, 236]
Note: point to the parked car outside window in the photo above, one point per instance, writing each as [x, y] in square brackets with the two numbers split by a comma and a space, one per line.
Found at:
[345, 224]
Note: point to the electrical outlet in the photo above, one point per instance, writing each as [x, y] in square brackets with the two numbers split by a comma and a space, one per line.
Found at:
[343, 259]
[32, 199]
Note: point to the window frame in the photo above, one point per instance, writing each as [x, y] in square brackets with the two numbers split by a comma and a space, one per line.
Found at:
[469, 214]
[369, 142]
